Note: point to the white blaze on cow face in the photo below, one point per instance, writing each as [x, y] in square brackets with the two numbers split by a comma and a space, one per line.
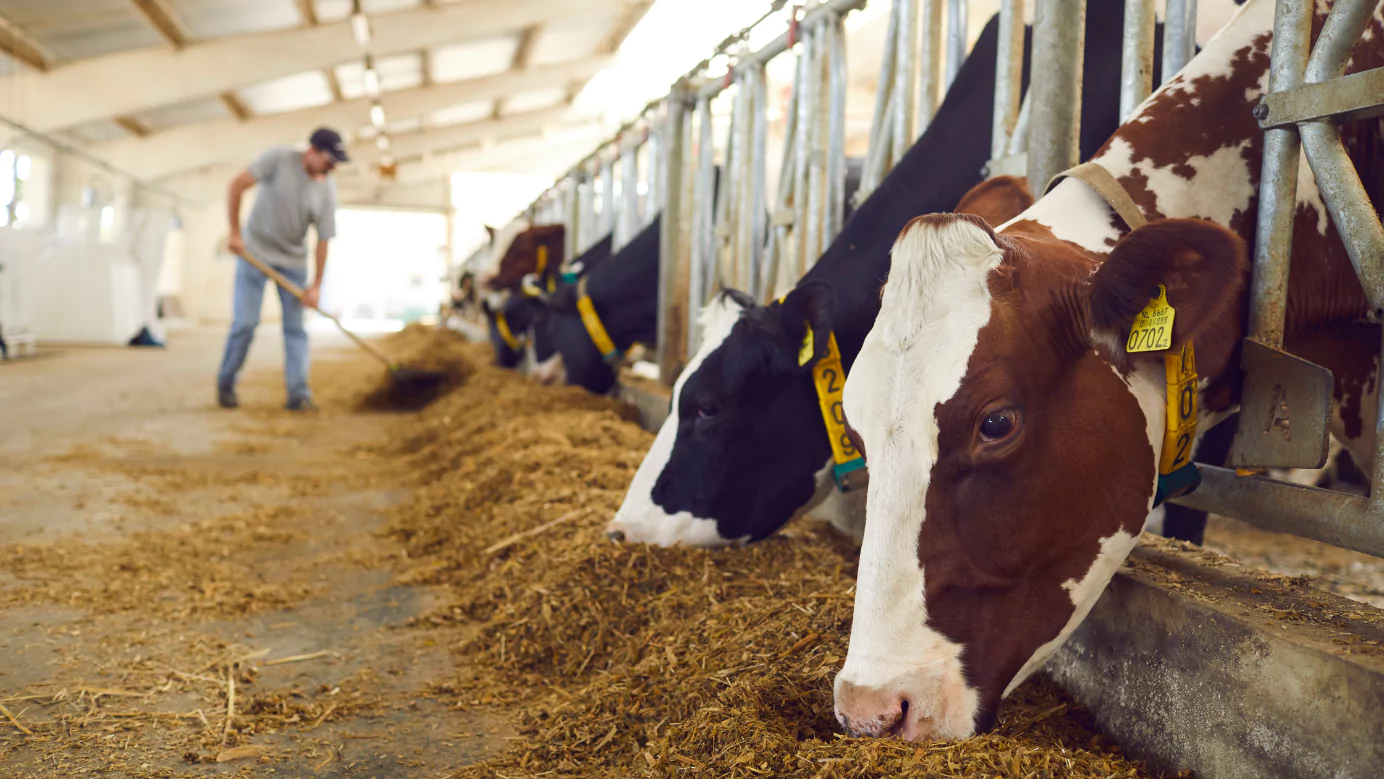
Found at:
[915, 357]
[639, 518]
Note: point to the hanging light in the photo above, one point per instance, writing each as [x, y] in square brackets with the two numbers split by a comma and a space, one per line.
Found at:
[372, 78]
[360, 24]
[382, 142]
[377, 115]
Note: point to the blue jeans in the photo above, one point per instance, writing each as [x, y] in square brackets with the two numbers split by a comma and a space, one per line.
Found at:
[249, 295]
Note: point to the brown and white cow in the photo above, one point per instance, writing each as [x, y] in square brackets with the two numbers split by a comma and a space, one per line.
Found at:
[1013, 443]
[539, 245]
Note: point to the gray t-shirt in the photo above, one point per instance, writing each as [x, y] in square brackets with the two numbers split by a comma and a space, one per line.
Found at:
[286, 201]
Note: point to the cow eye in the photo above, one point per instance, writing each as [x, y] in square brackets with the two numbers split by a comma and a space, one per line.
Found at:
[707, 410]
[998, 424]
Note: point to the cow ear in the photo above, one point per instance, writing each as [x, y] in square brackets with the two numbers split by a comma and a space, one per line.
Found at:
[808, 306]
[996, 200]
[1201, 264]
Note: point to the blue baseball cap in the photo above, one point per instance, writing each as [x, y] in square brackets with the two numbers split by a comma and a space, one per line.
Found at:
[329, 141]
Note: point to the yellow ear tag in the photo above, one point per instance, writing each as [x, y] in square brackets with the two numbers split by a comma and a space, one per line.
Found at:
[808, 349]
[1153, 327]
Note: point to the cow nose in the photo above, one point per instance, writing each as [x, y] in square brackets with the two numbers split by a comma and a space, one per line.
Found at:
[916, 706]
[618, 536]
[871, 712]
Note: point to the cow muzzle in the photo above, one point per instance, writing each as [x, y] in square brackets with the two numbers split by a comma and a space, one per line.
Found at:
[916, 707]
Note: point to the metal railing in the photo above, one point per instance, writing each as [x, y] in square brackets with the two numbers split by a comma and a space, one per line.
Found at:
[1286, 401]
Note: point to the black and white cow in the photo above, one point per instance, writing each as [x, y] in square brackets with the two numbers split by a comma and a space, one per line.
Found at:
[745, 448]
[624, 293]
[522, 312]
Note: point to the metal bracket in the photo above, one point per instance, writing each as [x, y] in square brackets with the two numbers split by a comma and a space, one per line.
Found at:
[1285, 410]
[1347, 99]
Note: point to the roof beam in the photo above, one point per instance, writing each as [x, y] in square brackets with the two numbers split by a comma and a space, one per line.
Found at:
[523, 60]
[163, 19]
[191, 146]
[551, 155]
[19, 44]
[98, 88]
[459, 136]
[132, 126]
[308, 11]
[633, 13]
[239, 110]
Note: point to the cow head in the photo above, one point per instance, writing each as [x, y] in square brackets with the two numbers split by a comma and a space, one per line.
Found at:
[1012, 447]
[744, 447]
[521, 257]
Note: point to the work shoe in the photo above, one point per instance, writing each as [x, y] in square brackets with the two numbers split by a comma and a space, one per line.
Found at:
[301, 403]
[225, 398]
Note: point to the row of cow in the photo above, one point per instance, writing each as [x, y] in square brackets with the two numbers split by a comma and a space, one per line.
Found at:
[1015, 445]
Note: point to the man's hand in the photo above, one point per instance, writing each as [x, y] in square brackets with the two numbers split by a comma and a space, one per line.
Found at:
[311, 295]
[236, 245]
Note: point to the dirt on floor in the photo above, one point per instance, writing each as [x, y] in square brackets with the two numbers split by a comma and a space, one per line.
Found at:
[363, 594]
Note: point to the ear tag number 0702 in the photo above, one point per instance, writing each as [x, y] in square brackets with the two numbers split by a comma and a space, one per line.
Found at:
[1153, 327]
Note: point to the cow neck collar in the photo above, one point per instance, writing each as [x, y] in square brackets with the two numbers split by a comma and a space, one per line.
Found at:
[595, 328]
[1177, 474]
[829, 382]
[502, 324]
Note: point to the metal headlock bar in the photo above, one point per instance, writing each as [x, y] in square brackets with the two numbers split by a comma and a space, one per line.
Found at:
[741, 238]
[1052, 129]
[1286, 401]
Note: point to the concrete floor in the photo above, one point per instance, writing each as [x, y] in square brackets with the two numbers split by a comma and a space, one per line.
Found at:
[108, 453]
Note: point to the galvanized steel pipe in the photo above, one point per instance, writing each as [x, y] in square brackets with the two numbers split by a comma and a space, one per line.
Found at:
[1136, 56]
[1009, 67]
[1059, 37]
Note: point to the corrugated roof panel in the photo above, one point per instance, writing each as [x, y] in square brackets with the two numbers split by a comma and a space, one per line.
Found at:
[403, 71]
[213, 18]
[98, 132]
[536, 99]
[183, 113]
[572, 39]
[332, 10]
[463, 112]
[290, 93]
[474, 59]
[82, 28]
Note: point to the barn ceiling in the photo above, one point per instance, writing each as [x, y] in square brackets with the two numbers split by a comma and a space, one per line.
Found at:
[163, 87]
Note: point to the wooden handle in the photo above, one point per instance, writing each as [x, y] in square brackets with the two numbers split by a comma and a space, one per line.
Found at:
[297, 292]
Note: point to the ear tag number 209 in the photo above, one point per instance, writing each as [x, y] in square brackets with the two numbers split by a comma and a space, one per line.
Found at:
[1153, 327]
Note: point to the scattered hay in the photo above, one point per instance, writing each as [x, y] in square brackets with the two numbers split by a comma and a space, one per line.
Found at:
[416, 349]
[629, 660]
[196, 569]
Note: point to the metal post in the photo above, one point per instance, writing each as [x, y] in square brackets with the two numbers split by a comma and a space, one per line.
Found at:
[907, 111]
[672, 315]
[958, 15]
[703, 235]
[608, 216]
[835, 51]
[882, 121]
[628, 215]
[1278, 183]
[929, 51]
[1009, 67]
[1059, 39]
[572, 217]
[758, 180]
[586, 215]
[1136, 56]
[1179, 36]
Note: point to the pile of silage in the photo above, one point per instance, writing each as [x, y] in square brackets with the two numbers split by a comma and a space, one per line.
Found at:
[628, 660]
[415, 348]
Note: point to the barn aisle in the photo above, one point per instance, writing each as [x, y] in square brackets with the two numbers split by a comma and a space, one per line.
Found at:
[157, 552]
